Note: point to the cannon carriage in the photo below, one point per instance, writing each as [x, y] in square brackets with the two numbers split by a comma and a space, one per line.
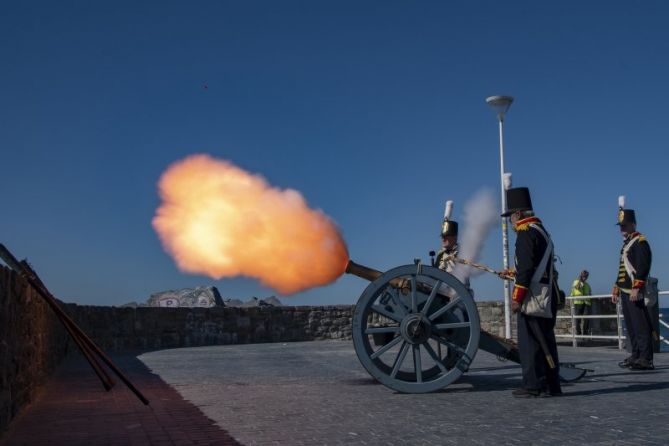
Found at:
[416, 329]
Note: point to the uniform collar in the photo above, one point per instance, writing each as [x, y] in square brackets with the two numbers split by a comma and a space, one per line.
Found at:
[451, 249]
[632, 235]
[524, 224]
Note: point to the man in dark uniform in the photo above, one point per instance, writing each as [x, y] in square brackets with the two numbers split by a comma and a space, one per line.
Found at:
[532, 298]
[449, 246]
[635, 261]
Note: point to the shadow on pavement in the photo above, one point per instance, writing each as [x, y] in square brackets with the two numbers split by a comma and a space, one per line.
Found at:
[631, 388]
[73, 409]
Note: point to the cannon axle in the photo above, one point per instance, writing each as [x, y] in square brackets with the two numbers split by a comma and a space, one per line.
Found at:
[416, 328]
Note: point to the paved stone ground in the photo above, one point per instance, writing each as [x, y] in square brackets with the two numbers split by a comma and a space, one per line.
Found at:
[317, 393]
[74, 409]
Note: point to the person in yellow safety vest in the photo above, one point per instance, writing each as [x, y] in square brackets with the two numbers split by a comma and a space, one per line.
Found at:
[581, 287]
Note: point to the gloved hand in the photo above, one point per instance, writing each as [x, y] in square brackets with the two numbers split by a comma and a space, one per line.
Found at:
[517, 298]
[507, 274]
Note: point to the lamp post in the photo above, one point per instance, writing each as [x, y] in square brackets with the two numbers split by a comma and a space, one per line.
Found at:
[501, 104]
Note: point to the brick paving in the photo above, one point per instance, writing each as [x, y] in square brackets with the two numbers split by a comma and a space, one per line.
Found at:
[74, 409]
[317, 393]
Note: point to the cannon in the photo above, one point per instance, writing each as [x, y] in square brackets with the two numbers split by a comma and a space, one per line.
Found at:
[416, 329]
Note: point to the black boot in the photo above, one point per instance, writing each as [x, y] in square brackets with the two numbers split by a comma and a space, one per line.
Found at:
[551, 391]
[642, 364]
[526, 393]
[627, 362]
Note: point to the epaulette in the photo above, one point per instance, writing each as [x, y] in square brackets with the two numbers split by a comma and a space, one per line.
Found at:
[524, 225]
[642, 238]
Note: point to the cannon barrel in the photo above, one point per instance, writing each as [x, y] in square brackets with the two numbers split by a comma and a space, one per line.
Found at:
[364, 272]
[371, 274]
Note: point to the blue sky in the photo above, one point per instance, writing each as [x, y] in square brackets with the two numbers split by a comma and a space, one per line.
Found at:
[374, 110]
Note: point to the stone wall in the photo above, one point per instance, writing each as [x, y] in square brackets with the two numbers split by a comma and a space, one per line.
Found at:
[146, 328]
[32, 343]
[492, 317]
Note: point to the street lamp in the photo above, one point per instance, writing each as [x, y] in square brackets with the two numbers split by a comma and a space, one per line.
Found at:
[501, 104]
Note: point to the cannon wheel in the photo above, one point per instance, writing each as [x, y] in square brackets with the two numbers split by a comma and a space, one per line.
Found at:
[441, 333]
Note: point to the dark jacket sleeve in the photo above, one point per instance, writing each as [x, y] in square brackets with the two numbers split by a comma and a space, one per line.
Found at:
[526, 261]
[640, 257]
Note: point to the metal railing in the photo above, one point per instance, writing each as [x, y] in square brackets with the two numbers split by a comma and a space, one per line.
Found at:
[663, 324]
[617, 315]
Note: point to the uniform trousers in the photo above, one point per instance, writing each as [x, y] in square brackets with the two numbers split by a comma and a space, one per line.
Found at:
[537, 375]
[638, 326]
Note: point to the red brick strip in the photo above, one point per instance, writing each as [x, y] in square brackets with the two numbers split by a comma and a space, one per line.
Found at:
[74, 409]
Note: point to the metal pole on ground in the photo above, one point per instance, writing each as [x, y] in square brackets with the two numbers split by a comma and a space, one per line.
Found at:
[573, 325]
[620, 326]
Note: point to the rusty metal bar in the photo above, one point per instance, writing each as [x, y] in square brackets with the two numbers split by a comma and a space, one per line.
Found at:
[32, 278]
[107, 381]
[18, 267]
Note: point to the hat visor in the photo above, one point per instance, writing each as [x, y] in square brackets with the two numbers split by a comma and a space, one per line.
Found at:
[507, 213]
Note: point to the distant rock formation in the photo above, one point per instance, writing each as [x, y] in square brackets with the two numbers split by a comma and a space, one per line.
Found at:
[271, 301]
[255, 302]
[203, 297]
[233, 303]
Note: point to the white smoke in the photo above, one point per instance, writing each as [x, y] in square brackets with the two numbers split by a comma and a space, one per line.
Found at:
[480, 216]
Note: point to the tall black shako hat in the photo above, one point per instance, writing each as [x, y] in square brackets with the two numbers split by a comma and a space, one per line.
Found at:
[625, 215]
[449, 227]
[517, 199]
